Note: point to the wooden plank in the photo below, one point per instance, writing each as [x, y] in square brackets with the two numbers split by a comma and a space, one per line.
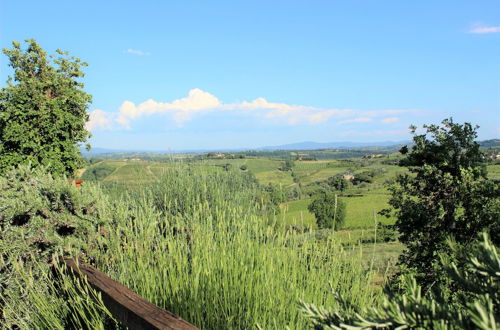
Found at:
[126, 306]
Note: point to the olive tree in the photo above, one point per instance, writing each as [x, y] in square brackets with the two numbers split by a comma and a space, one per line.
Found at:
[43, 110]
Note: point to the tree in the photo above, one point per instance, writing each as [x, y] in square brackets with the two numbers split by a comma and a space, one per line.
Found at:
[446, 194]
[43, 110]
[338, 183]
[362, 177]
[329, 210]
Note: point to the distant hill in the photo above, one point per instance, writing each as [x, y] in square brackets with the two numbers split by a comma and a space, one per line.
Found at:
[309, 145]
[493, 143]
[102, 151]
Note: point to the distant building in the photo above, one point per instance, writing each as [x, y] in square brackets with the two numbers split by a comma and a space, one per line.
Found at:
[349, 177]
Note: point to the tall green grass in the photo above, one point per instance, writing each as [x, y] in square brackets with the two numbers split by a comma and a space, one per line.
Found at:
[196, 244]
[49, 298]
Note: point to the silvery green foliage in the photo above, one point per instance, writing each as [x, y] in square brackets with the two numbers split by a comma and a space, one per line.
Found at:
[41, 216]
[414, 309]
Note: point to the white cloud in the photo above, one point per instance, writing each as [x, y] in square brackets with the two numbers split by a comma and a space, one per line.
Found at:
[199, 102]
[483, 29]
[356, 120]
[136, 52]
[390, 120]
[292, 114]
[98, 119]
[182, 109]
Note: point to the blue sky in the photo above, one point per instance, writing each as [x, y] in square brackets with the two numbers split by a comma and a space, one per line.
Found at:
[171, 75]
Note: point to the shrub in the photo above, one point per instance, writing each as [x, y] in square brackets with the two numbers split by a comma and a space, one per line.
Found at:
[41, 217]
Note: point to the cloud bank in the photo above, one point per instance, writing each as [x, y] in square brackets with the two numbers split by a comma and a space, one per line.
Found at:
[99, 119]
[199, 102]
[483, 29]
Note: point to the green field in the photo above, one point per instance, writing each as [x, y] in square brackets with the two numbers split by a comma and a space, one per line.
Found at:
[365, 200]
[361, 211]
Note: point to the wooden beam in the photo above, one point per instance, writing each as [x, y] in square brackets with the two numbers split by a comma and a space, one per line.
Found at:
[126, 306]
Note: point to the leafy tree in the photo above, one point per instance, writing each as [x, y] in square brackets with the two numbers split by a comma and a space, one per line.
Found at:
[338, 183]
[446, 194]
[329, 210]
[417, 309]
[43, 110]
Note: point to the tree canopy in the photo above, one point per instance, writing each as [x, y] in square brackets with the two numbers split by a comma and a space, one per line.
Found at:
[43, 110]
[445, 194]
[329, 210]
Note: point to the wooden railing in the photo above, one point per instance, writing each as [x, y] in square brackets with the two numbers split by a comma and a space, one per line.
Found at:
[125, 305]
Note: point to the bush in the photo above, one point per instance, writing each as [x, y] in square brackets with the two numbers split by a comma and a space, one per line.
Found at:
[42, 217]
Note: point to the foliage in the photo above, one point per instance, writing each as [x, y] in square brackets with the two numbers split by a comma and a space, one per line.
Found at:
[417, 309]
[43, 114]
[362, 177]
[41, 216]
[338, 183]
[329, 210]
[447, 193]
[386, 233]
